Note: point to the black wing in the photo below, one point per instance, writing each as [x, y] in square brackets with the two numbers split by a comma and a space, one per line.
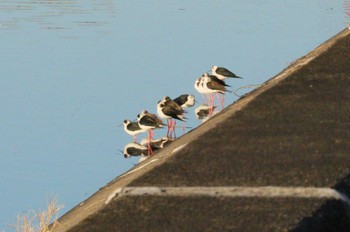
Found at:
[147, 121]
[216, 86]
[151, 120]
[136, 152]
[181, 99]
[133, 126]
[218, 81]
[172, 112]
[225, 72]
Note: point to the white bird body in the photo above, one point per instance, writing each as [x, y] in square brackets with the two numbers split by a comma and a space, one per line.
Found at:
[132, 128]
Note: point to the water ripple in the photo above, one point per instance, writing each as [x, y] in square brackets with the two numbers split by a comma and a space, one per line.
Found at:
[55, 14]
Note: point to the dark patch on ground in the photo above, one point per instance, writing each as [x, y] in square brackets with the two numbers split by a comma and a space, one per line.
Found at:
[334, 216]
[150, 213]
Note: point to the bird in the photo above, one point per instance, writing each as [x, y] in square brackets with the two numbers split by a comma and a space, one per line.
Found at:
[202, 112]
[212, 85]
[169, 109]
[185, 100]
[148, 121]
[207, 91]
[135, 149]
[198, 86]
[223, 73]
[132, 128]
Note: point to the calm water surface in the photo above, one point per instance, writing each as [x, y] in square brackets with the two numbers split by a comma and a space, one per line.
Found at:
[72, 71]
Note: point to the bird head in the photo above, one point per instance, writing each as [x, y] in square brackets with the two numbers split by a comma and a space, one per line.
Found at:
[190, 100]
[126, 156]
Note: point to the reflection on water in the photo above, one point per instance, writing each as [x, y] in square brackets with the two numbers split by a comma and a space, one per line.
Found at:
[145, 148]
[55, 14]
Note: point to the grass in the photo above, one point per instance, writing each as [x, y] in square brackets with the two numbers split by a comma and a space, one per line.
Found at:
[39, 222]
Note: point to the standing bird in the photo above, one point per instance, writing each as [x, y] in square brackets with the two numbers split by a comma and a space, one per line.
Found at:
[135, 149]
[169, 109]
[185, 101]
[223, 73]
[217, 82]
[132, 128]
[148, 121]
[213, 85]
[198, 86]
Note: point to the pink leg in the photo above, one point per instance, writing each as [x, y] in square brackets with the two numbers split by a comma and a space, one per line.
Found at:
[150, 136]
[173, 129]
[169, 127]
[135, 139]
[218, 97]
[208, 99]
[173, 126]
[211, 105]
[223, 101]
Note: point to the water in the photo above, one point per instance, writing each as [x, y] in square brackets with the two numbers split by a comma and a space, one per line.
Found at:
[73, 70]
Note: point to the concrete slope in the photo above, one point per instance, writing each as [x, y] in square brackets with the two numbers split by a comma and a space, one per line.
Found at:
[293, 131]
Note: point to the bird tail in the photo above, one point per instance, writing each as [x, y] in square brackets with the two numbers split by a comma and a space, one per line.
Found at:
[181, 118]
[161, 125]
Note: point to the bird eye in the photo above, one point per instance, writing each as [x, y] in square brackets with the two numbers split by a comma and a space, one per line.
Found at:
[125, 121]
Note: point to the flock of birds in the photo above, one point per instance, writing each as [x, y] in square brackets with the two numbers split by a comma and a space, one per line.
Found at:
[207, 85]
